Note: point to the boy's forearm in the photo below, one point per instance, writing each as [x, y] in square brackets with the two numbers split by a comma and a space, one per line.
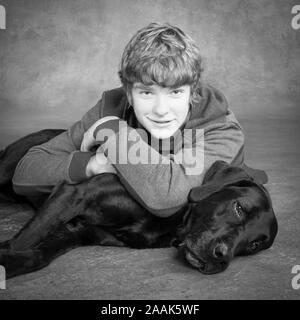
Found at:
[31, 178]
[163, 188]
[58, 159]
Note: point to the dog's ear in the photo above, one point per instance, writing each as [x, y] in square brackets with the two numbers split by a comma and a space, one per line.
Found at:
[221, 174]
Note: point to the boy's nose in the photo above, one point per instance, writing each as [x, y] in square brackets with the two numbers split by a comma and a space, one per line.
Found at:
[160, 107]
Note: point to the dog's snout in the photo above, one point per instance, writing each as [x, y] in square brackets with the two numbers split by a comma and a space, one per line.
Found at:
[220, 251]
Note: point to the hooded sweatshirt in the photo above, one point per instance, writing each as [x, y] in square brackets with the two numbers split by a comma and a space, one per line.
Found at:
[159, 174]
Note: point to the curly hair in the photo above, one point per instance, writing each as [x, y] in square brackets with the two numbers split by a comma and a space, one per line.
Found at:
[161, 54]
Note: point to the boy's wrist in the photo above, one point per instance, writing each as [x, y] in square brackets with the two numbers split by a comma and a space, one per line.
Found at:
[89, 171]
[97, 164]
[77, 167]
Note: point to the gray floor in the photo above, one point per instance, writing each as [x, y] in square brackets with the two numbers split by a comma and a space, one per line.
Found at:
[121, 273]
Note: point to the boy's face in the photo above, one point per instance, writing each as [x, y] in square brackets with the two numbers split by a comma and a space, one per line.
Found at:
[161, 111]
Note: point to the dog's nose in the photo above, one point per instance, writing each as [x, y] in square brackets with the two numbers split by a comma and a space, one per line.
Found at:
[220, 251]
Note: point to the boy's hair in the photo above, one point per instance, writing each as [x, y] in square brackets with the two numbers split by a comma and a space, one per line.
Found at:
[161, 54]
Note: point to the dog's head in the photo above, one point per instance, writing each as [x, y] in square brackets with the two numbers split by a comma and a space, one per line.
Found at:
[231, 214]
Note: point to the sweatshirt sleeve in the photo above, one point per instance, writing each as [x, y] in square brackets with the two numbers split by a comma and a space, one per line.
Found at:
[163, 187]
[59, 159]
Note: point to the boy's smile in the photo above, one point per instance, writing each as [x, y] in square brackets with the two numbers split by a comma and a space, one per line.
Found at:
[160, 110]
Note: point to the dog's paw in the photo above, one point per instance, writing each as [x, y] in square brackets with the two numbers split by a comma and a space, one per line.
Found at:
[19, 262]
[4, 249]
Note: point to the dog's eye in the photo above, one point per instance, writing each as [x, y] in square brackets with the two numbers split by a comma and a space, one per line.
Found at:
[238, 209]
[254, 245]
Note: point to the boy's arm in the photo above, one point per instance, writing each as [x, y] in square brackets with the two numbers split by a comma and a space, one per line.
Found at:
[58, 159]
[164, 187]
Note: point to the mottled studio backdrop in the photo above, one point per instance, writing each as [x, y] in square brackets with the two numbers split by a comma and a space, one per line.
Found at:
[57, 56]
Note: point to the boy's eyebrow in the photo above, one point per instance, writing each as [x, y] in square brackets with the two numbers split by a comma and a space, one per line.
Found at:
[141, 86]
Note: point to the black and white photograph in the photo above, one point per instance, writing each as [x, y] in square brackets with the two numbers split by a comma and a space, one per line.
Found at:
[149, 150]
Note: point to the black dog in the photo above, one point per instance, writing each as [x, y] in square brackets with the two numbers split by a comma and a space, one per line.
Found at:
[229, 215]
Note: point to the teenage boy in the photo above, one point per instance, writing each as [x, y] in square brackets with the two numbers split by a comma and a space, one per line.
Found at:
[163, 97]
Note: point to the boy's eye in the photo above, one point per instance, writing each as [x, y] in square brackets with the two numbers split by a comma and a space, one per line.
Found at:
[176, 91]
[146, 93]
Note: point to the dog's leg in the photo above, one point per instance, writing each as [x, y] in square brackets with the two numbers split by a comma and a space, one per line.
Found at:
[44, 237]
[57, 210]
[26, 260]
[69, 201]
[62, 239]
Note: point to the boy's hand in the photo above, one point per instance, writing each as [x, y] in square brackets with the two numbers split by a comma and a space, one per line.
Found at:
[88, 141]
[97, 164]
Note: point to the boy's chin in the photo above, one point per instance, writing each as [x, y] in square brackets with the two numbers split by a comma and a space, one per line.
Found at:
[162, 133]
